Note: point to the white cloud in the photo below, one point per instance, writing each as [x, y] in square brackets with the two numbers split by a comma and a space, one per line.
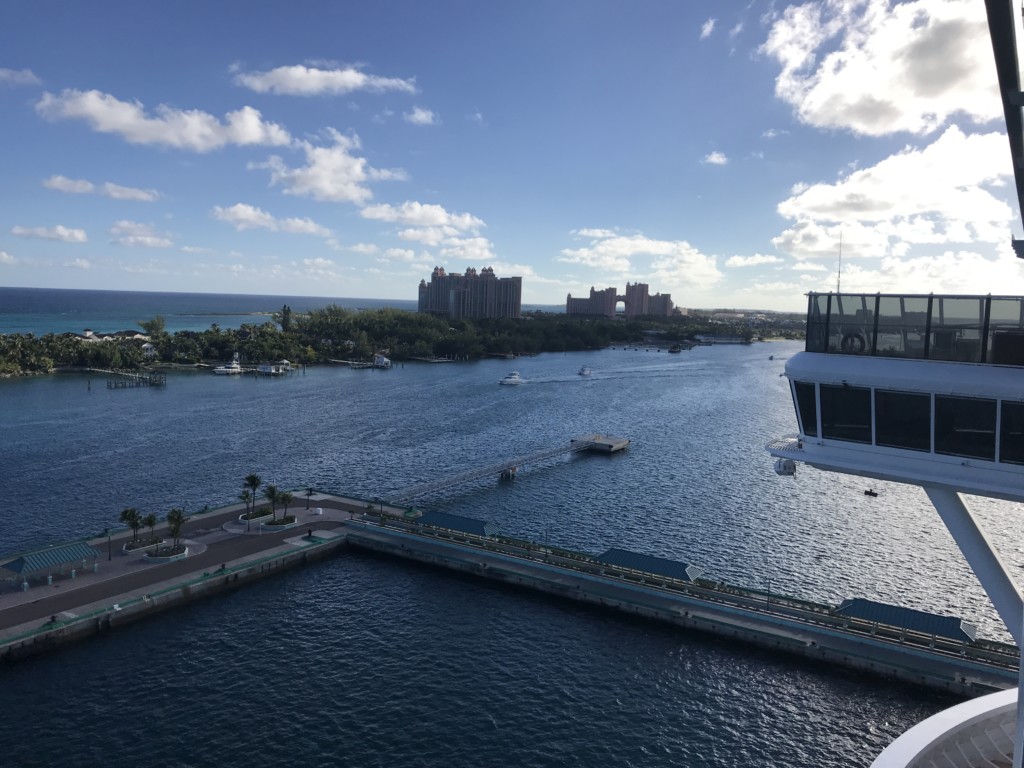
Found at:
[78, 264]
[107, 189]
[331, 173]
[468, 249]
[6, 258]
[244, 216]
[18, 77]
[183, 129]
[674, 263]
[421, 215]
[809, 266]
[59, 232]
[421, 116]
[874, 67]
[715, 158]
[938, 194]
[133, 233]
[752, 261]
[595, 234]
[195, 249]
[367, 249]
[707, 28]
[311, 81]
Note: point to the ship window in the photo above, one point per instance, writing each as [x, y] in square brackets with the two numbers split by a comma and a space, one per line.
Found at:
[807, 409]
[965, 426]
[1011, 433]
[903, 420]
[846, 413]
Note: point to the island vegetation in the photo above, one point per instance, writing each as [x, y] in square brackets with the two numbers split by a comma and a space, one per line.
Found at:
[334, 333]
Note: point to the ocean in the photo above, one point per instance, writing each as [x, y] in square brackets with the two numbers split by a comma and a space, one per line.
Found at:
[368, 661]
[49, 310]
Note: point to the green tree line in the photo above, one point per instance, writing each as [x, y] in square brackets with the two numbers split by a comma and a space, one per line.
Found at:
[335, 333]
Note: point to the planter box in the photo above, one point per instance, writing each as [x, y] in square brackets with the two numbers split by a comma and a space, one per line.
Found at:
[168, 559]
[128, 549]
[279, 526]
[257, 520]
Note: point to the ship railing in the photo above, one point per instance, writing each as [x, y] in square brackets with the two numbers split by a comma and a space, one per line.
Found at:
[967, 329]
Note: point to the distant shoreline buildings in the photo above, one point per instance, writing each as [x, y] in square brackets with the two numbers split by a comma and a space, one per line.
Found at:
[637, 300]
[471, 295]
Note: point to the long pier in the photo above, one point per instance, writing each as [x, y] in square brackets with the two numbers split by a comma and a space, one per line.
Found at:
[508, 468]
[227, 552]
[128, 379]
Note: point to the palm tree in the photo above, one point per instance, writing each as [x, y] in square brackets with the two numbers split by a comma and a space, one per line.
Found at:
[253, 482]
[246, 496]
[271, 495]
[285, 498]
[175, 520]
[150, 522]
[133, 520]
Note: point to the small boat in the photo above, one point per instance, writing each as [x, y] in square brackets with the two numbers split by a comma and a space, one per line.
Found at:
[512, 379]
[229, 369]
[675, 348]
[870, 492]
[584, 371]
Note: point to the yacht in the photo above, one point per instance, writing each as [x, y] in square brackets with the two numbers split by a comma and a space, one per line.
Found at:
[511, 379]
[927, 390]
[229, 369]
[585, 371]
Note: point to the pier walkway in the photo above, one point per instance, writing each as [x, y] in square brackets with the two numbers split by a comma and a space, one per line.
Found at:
[509, 467]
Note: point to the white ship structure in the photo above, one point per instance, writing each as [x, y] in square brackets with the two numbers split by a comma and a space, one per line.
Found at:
[929, 390]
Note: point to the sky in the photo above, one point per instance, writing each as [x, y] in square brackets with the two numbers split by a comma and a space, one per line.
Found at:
[731, 154]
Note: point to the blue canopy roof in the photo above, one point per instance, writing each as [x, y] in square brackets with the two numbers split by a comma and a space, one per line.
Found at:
[459, 523]
[650, 564]
[52, 557]
[952, 627]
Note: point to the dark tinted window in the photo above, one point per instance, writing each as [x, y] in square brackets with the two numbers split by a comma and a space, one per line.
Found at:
[965, 426]
[903, 420]
[1011, 433]
[808, 409]
[846, 413]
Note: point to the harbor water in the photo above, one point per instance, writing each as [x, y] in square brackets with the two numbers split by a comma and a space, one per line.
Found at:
[361, 660]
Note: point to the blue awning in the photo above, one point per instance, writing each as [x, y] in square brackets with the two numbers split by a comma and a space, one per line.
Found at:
[952, 627]
[650, 564]
[458, 523]
[52, 557]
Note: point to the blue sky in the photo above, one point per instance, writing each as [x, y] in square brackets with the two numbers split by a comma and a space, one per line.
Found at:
[718, 151]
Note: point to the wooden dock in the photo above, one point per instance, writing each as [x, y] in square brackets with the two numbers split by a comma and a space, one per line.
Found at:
[128, 379]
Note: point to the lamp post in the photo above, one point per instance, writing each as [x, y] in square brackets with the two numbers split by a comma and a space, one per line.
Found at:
[769, 592]
[109, 553]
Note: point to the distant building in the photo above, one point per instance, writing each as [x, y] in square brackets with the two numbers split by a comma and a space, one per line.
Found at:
[471, 294]
[637, 300]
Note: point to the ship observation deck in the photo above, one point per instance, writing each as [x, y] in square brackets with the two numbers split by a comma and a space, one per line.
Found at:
[954, 328]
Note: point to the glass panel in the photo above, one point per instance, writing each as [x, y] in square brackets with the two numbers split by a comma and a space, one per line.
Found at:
[846, 413]
[956, 328]
[903, 420]
[807, 409]
[817, 312]
[1006, 333]
[851, 324]
[1011, 433]
[965, 426]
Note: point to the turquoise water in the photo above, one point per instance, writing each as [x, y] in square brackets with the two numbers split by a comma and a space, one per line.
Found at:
[370, 661]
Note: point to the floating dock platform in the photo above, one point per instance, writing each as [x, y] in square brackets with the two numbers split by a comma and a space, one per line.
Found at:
[601, 443]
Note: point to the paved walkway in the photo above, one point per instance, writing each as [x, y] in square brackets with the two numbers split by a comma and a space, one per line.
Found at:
[214, 539]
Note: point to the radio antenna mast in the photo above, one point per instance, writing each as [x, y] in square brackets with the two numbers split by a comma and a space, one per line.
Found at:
[839, 270]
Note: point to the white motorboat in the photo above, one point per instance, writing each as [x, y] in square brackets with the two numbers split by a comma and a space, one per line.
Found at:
[513, 378]
[584, 371]
[229, 369]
